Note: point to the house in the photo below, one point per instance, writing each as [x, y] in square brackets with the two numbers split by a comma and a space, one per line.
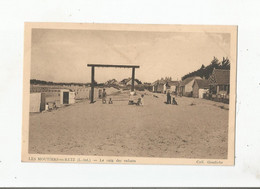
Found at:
[172, 86]
[161, 86]
[136, 82]
[219, 82]
[67, 97]
[158, 86]
[200, 87]
[111, 82]
[185, 88]
[128, 81]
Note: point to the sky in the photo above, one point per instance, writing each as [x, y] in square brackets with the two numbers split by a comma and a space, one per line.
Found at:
[61, 55]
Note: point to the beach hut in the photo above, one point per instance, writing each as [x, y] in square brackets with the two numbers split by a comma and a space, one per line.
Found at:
[154, 85]
[172, 86]
[67, 97]
[159, 86]
[200, 87]
[185, 88]
[219, 82]
[37, 102]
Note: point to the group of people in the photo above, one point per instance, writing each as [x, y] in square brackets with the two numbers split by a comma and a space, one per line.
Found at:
[48, 107]
[169, 100]
[104, 98]
[140, 101]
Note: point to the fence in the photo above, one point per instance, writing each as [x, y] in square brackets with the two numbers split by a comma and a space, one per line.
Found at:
[217, 97]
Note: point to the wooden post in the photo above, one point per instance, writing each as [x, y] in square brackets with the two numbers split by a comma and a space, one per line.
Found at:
[111, 66]
[92, 84]
[133, 79]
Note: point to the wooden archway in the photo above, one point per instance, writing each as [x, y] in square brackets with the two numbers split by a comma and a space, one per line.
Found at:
[110, 66]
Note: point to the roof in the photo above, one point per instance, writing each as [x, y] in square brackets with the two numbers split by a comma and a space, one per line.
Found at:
[111, 82]
[202, 83]
[136, 81]
[219, 77]
[159, 82]
[154, 83]
[173, 83]
[125, 81]
[188, 80]
[162, 82]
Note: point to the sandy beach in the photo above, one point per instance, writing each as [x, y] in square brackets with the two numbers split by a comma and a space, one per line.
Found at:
[196, 128]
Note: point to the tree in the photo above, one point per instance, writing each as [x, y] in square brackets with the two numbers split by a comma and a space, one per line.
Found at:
[205, 72]
[225, 64]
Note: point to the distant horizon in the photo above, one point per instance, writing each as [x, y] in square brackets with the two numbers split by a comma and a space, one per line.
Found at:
[116, 79]
[62, 55]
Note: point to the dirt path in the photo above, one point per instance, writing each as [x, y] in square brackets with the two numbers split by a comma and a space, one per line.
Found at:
[196, 128]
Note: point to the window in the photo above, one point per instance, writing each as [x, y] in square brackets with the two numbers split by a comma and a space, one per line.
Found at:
[221, 87]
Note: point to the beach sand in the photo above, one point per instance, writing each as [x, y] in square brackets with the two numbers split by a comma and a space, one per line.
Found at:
[196, 128]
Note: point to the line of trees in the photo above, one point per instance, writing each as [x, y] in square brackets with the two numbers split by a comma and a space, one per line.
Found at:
[42, 82]
[205, 72]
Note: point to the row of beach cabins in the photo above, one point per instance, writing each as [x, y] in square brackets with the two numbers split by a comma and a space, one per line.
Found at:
[55, 96]
[216, 87]
[58, 96]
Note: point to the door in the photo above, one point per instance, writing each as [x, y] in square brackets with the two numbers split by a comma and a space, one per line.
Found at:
[65, 97]
[43, 99]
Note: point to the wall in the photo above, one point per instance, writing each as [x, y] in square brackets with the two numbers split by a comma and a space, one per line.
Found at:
[195, 91]
[71, 97]
[51, 97]
[202, 92]
[188, 87]
[61, 94]
[82, 93]
[35, 102]
[173, 88]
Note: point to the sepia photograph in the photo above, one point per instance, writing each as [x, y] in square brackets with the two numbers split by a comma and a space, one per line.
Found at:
[131, 94]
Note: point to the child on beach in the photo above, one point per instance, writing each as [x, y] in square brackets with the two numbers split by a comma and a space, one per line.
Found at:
[131, 98]
[110, 101]
[47, 107]
[142, 100]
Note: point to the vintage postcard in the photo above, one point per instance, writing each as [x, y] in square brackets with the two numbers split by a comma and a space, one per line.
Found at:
[129, 94]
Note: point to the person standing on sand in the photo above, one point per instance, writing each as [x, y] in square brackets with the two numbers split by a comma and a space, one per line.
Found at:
[104, 96]
[47, 107]
[142, 100]
[168, 97]
[131, 98]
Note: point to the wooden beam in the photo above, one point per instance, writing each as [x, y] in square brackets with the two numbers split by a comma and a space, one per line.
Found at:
[113, 66]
